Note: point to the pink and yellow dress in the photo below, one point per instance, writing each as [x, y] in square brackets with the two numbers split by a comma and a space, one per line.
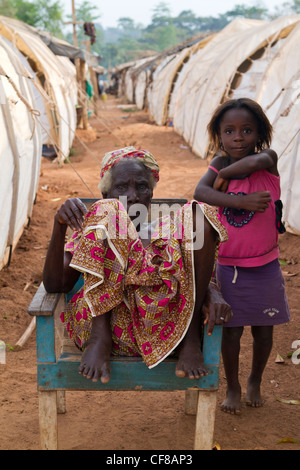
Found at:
[150, 291]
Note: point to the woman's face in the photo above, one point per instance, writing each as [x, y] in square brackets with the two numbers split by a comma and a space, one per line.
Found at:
[130, 180]
[238, 133]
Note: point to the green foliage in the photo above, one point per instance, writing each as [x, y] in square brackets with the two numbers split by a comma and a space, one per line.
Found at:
[131, 40]
[242, 11]
[44, 14]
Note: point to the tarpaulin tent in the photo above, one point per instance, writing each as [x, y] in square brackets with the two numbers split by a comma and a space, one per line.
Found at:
[20, 150]
[38, 96]
[56, 83]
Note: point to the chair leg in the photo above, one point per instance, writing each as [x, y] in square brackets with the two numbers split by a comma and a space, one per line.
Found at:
[61, 401]
[48, 420]
[191, 402]
[205, 420]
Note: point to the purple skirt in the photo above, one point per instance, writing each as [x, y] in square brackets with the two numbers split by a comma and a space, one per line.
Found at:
[256, 295]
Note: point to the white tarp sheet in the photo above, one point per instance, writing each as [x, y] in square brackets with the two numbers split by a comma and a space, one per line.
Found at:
[38, 97]
[20, 152]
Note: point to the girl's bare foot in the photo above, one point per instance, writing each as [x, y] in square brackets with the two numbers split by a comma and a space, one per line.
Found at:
[232, 402]
[253, 393]
[190, 361]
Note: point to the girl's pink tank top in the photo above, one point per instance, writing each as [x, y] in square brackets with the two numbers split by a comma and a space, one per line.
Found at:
[252, 236]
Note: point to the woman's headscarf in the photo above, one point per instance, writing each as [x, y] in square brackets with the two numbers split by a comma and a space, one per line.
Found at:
[110, 159]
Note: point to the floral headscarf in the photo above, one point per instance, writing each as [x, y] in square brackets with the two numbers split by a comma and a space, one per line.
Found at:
[110, 159]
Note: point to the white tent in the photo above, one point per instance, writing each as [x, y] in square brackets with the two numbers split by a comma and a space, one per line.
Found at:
[55, 81]
[279, 95]
[221, 71]
[20, 151]
[164, 79]
[38, 96]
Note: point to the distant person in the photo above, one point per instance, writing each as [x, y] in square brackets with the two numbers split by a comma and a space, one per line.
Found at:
[101, 86]
[244, 183]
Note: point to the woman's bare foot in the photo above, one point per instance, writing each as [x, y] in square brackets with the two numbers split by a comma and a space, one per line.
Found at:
[232, 402]
[253, 393]
[95, 361]
[190, 361]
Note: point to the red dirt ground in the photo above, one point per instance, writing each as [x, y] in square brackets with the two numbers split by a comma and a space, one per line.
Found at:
[133, 420]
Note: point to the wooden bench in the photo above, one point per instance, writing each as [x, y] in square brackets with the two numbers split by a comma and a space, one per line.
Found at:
[58, 362]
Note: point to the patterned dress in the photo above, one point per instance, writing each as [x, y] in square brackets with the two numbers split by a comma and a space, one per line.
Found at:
[150, 291]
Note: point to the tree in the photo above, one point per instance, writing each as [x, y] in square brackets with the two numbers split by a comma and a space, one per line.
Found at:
[161, 15]
[51, 14]
[286, 8]
[7, 8]
[126, 24]
[85, 13]
[43, 14]
[296, 6]
[162, 33]
[187, 21]
[242, 11]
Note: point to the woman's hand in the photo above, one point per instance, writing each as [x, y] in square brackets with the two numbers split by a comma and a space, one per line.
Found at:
[216, 311]
[71, 213]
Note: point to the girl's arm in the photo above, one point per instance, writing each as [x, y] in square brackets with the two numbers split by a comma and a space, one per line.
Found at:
[265, 160]
[205, 192]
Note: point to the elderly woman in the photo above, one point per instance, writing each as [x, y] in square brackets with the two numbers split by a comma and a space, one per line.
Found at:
[144, 289]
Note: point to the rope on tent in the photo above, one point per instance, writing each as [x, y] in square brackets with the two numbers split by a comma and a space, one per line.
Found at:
[34, 112]
[52, 103]
[287, 146]
[35, 116]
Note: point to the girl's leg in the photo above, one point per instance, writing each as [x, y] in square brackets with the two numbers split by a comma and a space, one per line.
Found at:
[262, 346]
[230, 353]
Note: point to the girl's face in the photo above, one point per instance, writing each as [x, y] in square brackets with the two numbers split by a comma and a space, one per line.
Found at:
[238, 133]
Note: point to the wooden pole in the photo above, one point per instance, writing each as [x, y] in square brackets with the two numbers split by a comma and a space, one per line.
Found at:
[80, 74]
[20, 343]
[93, 77]
[75, 41]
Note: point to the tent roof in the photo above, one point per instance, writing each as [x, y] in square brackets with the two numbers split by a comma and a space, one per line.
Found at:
[57, 46]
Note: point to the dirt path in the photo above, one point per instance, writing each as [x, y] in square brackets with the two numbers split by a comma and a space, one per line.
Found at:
[132, 420]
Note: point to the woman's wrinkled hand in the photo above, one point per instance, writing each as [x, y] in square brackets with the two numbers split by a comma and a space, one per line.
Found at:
[71, 213]
[216, 311]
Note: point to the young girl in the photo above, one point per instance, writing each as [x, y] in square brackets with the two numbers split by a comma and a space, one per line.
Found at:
[244, 183]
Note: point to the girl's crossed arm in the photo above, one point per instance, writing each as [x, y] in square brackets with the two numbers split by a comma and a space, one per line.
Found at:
[212, 186]
[265, 160]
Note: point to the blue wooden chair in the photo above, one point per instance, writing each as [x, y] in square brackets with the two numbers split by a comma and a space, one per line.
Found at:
[58, 361]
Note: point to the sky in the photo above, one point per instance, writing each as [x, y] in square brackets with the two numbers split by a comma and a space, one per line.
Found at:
[141, 10]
